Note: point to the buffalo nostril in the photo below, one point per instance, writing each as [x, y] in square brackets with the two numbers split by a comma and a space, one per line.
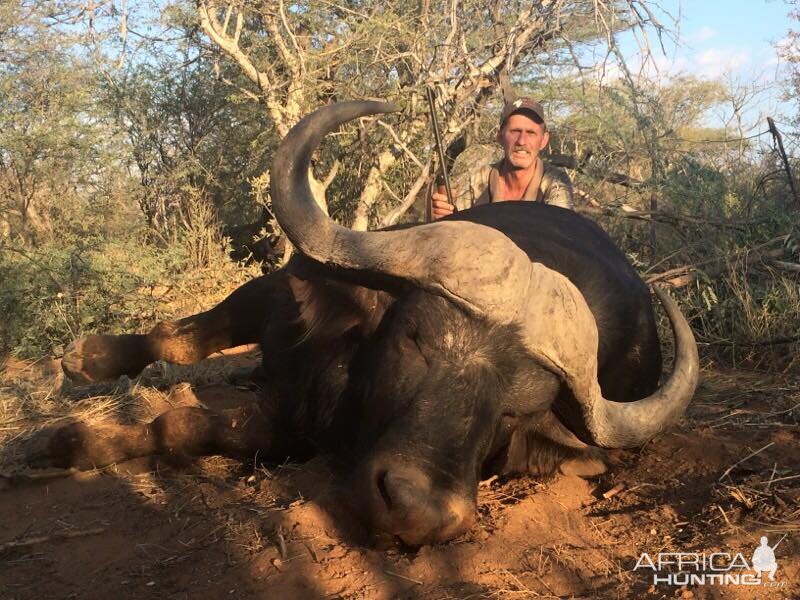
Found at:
[402, 493]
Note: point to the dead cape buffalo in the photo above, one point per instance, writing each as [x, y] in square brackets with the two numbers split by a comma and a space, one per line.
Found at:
[510, 338]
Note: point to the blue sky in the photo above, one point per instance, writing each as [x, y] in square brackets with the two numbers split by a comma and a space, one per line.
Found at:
[734, 40]
[737, 34]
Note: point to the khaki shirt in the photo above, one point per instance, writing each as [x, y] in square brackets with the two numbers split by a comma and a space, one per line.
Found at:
[550, 185]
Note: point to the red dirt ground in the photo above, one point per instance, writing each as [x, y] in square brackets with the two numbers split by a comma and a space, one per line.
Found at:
[221, 529]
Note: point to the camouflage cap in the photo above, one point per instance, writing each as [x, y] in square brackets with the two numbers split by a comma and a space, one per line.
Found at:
[522, 105]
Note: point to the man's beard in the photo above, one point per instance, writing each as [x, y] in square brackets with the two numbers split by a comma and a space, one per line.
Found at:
[526, 158]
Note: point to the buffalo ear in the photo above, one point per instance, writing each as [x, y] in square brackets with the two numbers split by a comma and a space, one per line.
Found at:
[329, 309]
[543, 447]
[532, 454]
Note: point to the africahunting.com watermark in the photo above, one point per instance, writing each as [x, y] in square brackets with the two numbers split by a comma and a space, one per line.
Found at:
[714, 568]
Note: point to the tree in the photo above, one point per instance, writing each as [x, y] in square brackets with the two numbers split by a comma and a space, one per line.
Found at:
[789, 50]
[48, 136]
[296, 56]
[186, 133]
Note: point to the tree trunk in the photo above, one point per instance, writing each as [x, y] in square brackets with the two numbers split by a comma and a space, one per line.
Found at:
[372, 190]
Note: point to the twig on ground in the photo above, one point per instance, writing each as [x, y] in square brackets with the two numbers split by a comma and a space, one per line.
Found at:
[398, 575]
[737, 463]
[49, 538]
[783, 412]
[614, 491]
[281, 541]
[772, 476]
[725, 516]
[488, 482]
[544, 583]
[607, 494]
[21, 477]
[777, 479]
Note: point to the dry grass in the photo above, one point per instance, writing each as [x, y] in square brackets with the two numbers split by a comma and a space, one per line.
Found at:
[760, 490]
[751, 319]
[35, 395]
[32, 397]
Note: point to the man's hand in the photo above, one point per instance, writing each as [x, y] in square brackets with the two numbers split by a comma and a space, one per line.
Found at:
[440, 207]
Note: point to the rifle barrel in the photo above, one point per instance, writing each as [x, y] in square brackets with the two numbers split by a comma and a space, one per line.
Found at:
[439, 146]
[779, 541]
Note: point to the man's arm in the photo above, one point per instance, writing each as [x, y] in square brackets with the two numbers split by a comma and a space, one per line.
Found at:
[557, 188]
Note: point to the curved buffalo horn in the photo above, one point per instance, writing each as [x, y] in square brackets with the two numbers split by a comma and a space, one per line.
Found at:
[559, 329]
[467, 263]
[482, 271]
[629, 424]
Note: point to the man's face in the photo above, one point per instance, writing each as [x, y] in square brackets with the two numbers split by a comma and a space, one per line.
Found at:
[522, 138]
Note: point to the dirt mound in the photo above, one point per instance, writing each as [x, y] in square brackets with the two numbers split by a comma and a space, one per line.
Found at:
[223, 529]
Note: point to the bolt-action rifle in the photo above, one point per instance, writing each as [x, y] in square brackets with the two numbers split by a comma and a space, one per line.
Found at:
[444, 186]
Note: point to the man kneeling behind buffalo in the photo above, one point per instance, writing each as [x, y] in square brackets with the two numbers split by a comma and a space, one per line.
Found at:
[521, 174]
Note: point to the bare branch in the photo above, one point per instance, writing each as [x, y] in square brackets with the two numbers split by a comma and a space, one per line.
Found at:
[212, 27]
[239, 23]
[717, 265]
[280, 43]
[394, 215]
[228, 13]
[292, 37]
[397, 141]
